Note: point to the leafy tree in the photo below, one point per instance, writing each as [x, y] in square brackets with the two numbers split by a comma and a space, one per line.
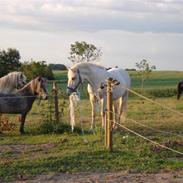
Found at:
[84, 52]
[145, 70]
[34, 68]
[9, 61]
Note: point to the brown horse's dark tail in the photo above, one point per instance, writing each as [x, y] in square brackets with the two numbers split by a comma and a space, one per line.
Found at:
[179, 89]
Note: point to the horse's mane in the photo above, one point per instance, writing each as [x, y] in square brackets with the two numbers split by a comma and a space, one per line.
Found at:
[9, 81]
[85, 64]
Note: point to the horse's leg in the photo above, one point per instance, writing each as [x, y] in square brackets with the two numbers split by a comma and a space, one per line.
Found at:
[103, 112]
[115, 112]
[93, 102]
[123, 106]
[22, 121]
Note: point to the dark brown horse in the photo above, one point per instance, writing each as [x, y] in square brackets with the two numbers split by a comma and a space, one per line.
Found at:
[21, 102]
[179, 89]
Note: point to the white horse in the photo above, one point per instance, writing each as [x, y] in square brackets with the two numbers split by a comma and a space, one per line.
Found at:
[95, 75]
[11, 82]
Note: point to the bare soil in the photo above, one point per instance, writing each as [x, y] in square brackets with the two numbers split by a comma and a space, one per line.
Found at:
[118, 177]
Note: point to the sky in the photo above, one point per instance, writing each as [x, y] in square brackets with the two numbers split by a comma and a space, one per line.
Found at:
[126, 31]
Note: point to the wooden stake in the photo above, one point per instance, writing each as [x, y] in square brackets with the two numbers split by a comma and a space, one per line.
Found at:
[55, 92]
[109, 115]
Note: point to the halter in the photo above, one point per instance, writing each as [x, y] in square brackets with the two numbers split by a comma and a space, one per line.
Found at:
[79, 82]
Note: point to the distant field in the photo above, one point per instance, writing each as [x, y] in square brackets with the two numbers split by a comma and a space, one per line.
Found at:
[160, 83]
[158, 79]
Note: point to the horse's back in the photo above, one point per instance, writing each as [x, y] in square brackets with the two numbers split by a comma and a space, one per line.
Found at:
[121, 75]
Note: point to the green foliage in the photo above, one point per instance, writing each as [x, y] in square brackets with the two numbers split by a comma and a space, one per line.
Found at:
[162, 93]
[34, 68]
[9, 61]
[156, 93]
[145, 70]
[47, 127]
[84, 52]
[57, 66]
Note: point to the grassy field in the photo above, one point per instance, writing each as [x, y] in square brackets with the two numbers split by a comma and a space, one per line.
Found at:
[158, 79]
[48, 146]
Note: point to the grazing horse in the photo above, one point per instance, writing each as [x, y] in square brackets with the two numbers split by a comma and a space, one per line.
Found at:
[179, 89]
[21, 102]
[11, 82]
[95, 75]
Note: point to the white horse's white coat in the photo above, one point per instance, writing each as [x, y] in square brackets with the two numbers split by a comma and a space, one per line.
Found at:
[10, 82]
[95, 75]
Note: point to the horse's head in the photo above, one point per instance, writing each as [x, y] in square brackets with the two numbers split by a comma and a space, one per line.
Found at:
[179, 89]
[39, 87]
[21, 79]
[74, 80]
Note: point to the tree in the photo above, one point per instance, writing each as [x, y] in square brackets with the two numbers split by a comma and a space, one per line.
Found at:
[84, 52]
[145, 70]
[33, 69]
[9, 61]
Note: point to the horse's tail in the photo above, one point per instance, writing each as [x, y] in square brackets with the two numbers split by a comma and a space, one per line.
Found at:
[179, 89]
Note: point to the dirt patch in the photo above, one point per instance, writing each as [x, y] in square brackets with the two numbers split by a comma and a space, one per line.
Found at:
[118, 177]
[11, 152]
[23, 147]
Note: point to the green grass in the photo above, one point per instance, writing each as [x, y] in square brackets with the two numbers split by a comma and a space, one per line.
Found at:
[63, 151]
[158, 79]
[50, 147]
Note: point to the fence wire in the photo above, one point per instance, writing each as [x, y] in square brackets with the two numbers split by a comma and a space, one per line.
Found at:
[145, 138]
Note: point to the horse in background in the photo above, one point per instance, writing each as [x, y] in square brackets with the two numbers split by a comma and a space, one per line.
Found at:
[179, 89]
[11, 82]
[95, 75]
[21, 102]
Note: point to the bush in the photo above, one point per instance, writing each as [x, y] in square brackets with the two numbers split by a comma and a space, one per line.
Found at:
[47, 127]
[161, 93]
[157, 93]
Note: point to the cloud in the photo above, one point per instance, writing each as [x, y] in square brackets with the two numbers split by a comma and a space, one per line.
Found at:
[126, 30]
[93, 15]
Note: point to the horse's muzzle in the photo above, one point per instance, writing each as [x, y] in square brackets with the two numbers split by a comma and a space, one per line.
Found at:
[69, 91]
[45, 97]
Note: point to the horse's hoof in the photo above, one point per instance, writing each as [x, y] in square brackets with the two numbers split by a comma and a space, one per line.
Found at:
[91, 130]
[22, 132]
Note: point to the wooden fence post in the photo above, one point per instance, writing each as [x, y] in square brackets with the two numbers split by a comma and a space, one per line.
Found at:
[109, 120]
[55, 93]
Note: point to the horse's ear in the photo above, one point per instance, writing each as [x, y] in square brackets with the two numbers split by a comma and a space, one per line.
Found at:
[69, 69]
[39, 78]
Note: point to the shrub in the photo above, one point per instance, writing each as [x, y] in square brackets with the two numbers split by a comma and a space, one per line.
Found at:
[157, 93]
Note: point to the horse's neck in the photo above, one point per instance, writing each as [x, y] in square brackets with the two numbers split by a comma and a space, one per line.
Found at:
[95, 76]
[27, 90]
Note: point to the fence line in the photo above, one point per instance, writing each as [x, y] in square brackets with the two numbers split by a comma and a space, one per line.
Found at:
[4, 97]
[110, 120]
[156, 143]
[161, 131]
